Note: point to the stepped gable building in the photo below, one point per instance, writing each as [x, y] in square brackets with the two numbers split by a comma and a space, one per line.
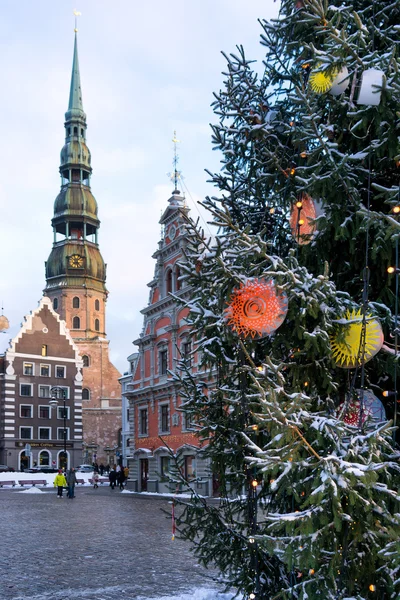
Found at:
[41, 357]
[153, 395]
[76, 283]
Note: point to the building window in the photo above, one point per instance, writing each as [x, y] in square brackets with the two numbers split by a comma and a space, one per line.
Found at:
[189, 465]
[168, 281]
[60, 372]
[44, 412]
[164, 418]
[25, 389]
[163, 362]
[127, 415]
[62, 392]
[76, 323]
[26, 411]
[85, 394]
[188, 421]
[143, 424]
[96, 305]
[44, 391]
[60, 433]
[45, 370]
[177, 279]
[25, 433]
[187, 353]
[97, 324]
[165, 462]
[28, 368]
[75, 131]
[55, 303]
[44, 458]
[44, 433]
[44, 349]
[75, 302]
[60, 412]
[86, 361]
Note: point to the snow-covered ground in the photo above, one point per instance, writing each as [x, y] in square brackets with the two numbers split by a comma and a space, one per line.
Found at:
[48, 477]
[199, 594]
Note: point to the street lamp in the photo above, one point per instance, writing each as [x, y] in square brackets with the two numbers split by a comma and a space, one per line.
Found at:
[58, 393]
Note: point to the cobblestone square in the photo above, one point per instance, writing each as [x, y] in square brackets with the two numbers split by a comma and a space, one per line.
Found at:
[101, 545]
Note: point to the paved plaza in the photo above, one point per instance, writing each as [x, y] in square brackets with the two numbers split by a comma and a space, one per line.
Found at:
[101, 545]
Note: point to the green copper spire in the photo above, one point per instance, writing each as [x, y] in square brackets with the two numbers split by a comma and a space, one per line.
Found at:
[75, 106]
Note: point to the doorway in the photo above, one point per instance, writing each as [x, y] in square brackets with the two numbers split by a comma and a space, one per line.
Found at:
[144, 474]
[23, 461]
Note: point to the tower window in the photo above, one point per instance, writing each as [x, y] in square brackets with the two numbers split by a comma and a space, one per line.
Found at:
[86, 360]
[169, 281]
[55, 303]
[85, 394]
[75, 302]
[76, 323]
[97, 325]
[69, 130]
[82, 133]
[96, 305]
[75, 131]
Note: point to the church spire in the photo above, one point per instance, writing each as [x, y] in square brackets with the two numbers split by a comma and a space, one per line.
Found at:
[75, 105]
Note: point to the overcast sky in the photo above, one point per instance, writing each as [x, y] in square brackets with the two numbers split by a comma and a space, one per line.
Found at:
[147, 69]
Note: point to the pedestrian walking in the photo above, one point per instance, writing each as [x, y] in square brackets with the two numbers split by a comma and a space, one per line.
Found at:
[121, 479]
[101, 468]
[95, 479]
[71, 481]
[113, 478]
[126, 473]
[60, 482]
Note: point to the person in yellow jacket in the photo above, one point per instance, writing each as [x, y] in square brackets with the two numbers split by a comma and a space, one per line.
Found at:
[60, 482]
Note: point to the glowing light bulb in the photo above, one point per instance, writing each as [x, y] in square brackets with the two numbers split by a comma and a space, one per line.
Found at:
[252, 596]
[391, 269]
[299, 204]
[311, 572]
[372, 588]
[251, 540]
[254, 427]
[396, 210]
[303, 154]
[301, 221]
[292, 171]
[386, 394]
[305, 383]
[271, 211]
[254, 483]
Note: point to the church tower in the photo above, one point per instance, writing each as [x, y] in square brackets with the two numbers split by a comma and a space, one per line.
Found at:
[76, 282]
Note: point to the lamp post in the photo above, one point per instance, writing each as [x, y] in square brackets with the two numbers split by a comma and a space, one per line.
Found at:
[58, 393]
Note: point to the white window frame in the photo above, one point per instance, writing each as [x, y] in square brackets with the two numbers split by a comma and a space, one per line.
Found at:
[48, 387]
[60, 433]
[44, 406]
[60, 367]
[44, 439]
[60, 411]
[31, 364]
[25, 427]
[44, 365]
[23, 395]
[20, 407]
[161, 350]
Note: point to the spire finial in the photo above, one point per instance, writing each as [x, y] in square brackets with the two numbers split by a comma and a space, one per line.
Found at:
[77, 14]
[176, 174]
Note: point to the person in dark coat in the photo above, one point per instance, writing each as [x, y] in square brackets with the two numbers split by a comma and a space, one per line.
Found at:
[101, 468]
[71, 481]
[113, 478]
[121, 478]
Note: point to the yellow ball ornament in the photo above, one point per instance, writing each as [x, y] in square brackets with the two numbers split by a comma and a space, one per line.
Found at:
[322, 81]
[345, 343]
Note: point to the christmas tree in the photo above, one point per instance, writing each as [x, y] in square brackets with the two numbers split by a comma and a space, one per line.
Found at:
[295, 315]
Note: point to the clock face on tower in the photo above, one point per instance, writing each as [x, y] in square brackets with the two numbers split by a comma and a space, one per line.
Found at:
[76, 261]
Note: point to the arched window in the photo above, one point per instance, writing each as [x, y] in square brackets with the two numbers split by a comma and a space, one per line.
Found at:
[76, 323]
[75, 302]
[97, 324]
[86, 361]
[85, 394]
[55, 303]
[44, 458]
[168, 281]
[178, 283]
[96, 305]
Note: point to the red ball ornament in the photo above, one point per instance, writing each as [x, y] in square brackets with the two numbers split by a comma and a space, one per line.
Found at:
[256, 308]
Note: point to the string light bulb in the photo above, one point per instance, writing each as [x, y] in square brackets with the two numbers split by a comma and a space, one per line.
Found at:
[251, 540]
[299, 204]
[311, 572]
[252, 596]
[301, 221]
[271, 211]
[391, 270]
[254, 483]
[372, 588]
[396, 210]
[303, 154]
